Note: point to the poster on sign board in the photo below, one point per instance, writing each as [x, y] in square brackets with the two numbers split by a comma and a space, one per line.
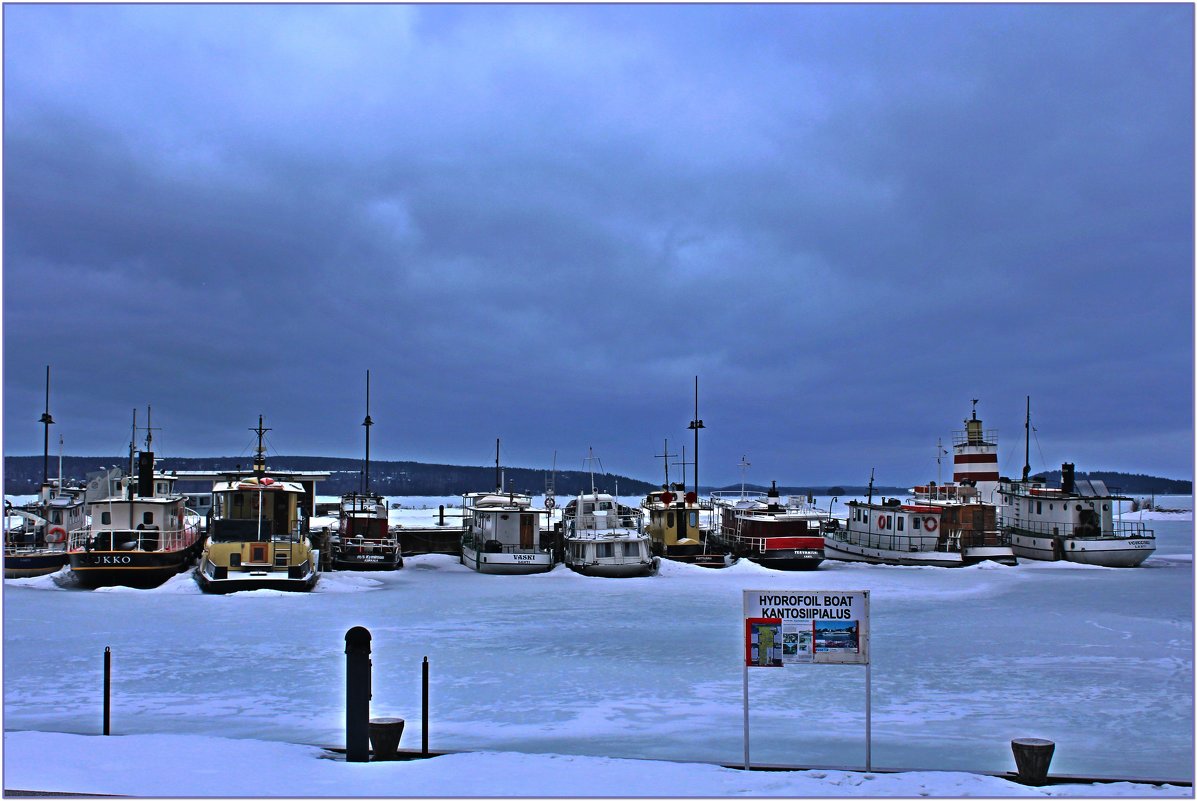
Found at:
[829, 627]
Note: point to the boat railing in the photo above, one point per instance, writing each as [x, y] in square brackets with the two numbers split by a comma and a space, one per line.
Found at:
[731, 496]
[26, 548]
[148, 539]
[759, 544]
[948, 543]
[1121, 529]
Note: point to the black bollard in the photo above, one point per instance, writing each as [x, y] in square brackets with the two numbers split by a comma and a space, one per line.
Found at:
[357, 695]
[424, 720]
[107, 689]
[1032, 756]
[441, 522]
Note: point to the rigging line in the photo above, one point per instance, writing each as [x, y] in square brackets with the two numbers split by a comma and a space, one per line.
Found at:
[1039, 447]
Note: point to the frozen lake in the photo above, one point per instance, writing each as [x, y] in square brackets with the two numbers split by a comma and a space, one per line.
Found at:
[1098, 660]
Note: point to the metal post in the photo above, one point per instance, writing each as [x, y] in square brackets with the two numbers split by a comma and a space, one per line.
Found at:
[357, 695]
[746, 762]
[424, 718]
[107, 690]
[869, 715]
[441, 522]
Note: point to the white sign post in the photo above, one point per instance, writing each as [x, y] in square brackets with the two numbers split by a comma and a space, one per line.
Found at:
[808, 627]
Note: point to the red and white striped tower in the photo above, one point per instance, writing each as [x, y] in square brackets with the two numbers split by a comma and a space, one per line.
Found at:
[976, 457]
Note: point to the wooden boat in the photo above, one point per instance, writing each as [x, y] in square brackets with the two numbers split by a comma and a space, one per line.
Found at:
[257, 534]
[675, 531]
[759, 527]
[1076, 521]
[365, 540]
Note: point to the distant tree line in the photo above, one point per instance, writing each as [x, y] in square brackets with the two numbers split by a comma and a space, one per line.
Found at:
[23, 474]
[1130, 483]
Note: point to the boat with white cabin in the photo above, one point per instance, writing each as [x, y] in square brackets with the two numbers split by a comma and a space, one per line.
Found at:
[605, 538]
[502, 534]
[1077, 520]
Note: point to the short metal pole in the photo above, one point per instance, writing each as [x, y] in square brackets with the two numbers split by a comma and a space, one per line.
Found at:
[746, 762]
[442, 520]
[107, 690]
[868, 716]
[424, 719]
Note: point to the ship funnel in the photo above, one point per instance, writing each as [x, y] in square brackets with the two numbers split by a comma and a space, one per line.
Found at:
[1067, 477]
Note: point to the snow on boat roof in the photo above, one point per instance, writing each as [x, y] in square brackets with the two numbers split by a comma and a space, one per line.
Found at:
[267, 484]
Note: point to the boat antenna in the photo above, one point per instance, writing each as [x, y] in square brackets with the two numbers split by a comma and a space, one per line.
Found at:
[498, 475]
[940, 452]
[666, 456]
[367, 423]
[133, 444]
[744, 465]
[1026, 465]
[46, 421]
[590, 460]
[260, 457]
[58, 489]
[696, 424]
[871, 470]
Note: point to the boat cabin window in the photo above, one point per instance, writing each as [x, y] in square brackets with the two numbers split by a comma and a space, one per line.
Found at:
[866, 517]
[901, 524]
[1105, 507]
[56, 516]
[631, 549]
[669, 520]
[915, 523]
[604, 549]
[1038, 507]
[161, 488]
[106, 518]
[604, 506]
[147, 517]
[587, 508]
[694, 520]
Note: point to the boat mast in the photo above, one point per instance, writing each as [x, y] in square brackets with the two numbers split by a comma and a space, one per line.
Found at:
[871, 469]
[133, 452]
[696, 424]
[260, 456]
[1026, 465]
[58, 489]
[367, 423]
[46, 421]
[744, 465]
[665, 455]
[498, 475]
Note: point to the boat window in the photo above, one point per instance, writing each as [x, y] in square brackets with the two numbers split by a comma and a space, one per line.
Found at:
[669, 520]
[106, 518]
[694, 520]
[915, 523]
[56, 516]
[1078, 507]
[866, 517]
[147, 517]
[1051, 507]
[1038, 507]
[901, 523]
[604, 505]
[631, 549]
[1105, 507]
[604, 549]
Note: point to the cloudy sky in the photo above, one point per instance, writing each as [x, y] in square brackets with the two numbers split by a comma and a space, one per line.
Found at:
[541, 223]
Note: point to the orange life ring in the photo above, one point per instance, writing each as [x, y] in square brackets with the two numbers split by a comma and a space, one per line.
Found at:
[56, 534]
[930, 523]
[881, 521]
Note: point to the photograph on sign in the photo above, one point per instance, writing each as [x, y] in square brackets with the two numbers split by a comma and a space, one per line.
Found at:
[837, 636]
[763, 640]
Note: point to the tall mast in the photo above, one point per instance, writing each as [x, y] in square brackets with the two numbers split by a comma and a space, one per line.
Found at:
[744, 465]
[58, 489]
[46, 422]
[871, 469]
[1026, 465]
[260, 457]
[367, 423]
[666, 456]
[696, 424]
[133, 446]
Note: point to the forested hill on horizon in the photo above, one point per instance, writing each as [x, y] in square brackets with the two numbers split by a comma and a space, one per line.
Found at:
[23, 474]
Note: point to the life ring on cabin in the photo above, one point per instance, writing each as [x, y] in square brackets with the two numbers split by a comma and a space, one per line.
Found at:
[881, 521]
[930, 523]
[56, 534]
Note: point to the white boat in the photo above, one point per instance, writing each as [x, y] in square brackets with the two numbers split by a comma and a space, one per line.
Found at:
[502, 534]
[36, 542]
[601, 537]
[1077, 521]
[604, 538]
[141, 532]
[893, 533]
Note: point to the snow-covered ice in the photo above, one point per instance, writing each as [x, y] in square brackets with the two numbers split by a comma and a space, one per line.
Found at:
[586, 677]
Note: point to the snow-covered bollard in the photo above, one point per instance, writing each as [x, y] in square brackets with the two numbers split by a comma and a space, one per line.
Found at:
[1032, 756]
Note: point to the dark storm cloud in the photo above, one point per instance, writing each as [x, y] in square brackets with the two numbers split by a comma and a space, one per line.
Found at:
[541, 222]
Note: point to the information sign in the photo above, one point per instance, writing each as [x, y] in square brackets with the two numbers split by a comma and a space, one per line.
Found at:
[795, 627]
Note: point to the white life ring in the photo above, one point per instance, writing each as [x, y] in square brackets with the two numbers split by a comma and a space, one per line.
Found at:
[550, 502]
[56, 534]
[930, 523]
